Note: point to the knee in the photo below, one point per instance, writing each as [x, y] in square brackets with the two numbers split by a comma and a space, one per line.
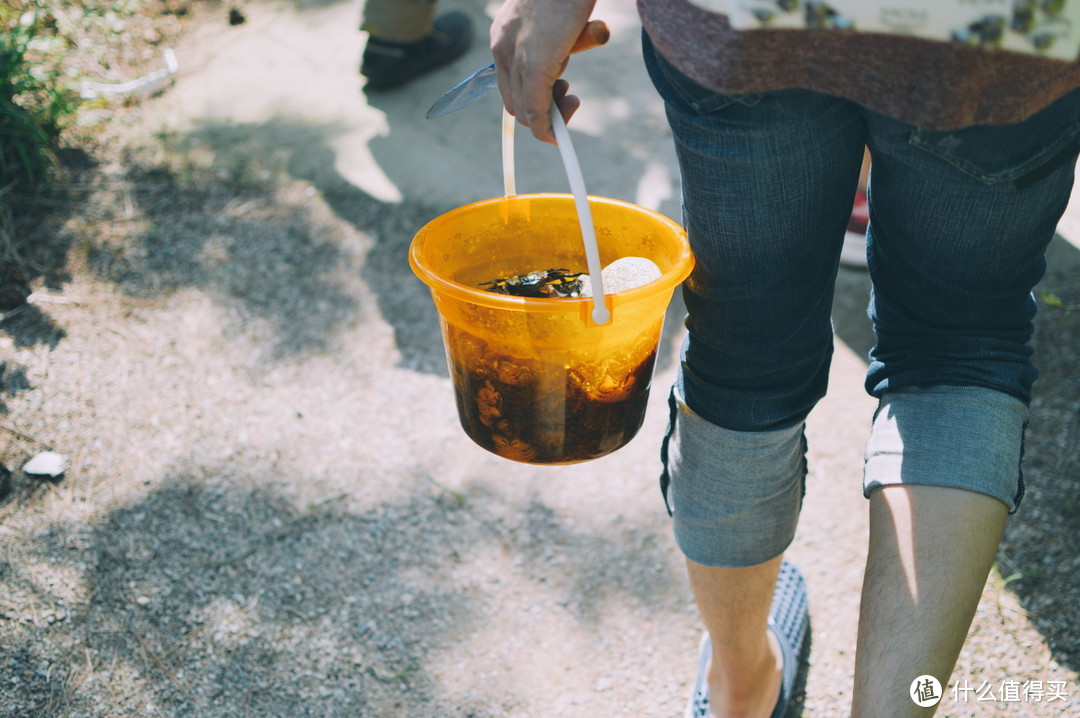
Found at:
[734, 496]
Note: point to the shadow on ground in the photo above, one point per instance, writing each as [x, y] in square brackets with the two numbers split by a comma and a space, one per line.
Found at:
[1041, 550]
[311, 612]
[38, 247]
[1040, 554]
[303, 152]
[223, 225]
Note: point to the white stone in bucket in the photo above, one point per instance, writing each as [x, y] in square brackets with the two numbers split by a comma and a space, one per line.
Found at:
[623, 274]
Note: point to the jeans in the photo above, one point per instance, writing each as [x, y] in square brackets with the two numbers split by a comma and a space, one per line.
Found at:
[959, 223]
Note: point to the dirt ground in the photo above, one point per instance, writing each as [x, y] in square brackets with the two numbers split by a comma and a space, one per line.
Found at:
[270, 508]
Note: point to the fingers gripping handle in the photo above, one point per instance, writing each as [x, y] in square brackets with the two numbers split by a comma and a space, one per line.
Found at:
[594, 34]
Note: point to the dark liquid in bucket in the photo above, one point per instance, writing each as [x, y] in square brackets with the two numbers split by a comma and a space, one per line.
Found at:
[539, 413]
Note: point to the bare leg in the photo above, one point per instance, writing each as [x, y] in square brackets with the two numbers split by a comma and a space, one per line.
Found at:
[744, 677]
[931, 549]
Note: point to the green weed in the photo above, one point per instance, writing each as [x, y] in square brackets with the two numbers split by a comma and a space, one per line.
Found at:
[1053, 300]
[35, 101]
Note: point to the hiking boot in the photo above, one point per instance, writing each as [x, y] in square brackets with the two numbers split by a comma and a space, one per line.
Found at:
[390, 64]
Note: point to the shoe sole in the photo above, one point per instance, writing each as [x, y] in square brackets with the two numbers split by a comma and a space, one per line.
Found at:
[789, 620]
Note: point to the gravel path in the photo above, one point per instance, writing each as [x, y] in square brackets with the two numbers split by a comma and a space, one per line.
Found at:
[270, 509]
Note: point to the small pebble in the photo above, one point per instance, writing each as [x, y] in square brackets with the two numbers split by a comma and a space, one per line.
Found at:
[47, 463]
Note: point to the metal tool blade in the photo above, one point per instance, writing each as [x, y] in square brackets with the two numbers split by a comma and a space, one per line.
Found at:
[466, 92]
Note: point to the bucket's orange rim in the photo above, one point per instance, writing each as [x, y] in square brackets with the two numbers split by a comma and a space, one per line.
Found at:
[667, 282]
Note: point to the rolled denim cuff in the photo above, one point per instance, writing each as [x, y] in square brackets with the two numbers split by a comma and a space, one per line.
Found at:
[735, 496]
[961, 437]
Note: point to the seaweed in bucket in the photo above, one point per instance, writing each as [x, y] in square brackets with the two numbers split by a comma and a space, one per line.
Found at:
[536, 412]
[543, 283]
[619, 276]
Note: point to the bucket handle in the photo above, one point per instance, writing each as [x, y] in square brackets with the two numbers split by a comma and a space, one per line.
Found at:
[600, 313]
[509, 186]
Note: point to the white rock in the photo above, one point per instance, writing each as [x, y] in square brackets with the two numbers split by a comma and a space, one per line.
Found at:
[47, 463]
[629, 273]
[623, 274]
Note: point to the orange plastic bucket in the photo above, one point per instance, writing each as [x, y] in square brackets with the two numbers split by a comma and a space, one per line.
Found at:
[535, 379]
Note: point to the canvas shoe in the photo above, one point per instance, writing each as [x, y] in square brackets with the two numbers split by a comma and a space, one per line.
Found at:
[387, 65]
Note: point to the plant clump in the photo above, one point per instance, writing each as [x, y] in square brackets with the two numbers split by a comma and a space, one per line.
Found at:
[35, 99]
[48, 50]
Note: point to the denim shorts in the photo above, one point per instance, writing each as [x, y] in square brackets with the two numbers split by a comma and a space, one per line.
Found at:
[959, 223]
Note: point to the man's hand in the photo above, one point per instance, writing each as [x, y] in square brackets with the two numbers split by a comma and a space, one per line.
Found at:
[531, 41]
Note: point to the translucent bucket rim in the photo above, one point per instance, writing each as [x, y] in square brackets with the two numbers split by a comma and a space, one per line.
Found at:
[667, 282]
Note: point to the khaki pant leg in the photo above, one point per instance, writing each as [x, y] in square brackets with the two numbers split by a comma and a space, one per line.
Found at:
[398, 20]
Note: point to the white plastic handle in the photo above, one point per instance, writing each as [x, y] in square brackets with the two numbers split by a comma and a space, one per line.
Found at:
[600, 313]
[509, 186]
